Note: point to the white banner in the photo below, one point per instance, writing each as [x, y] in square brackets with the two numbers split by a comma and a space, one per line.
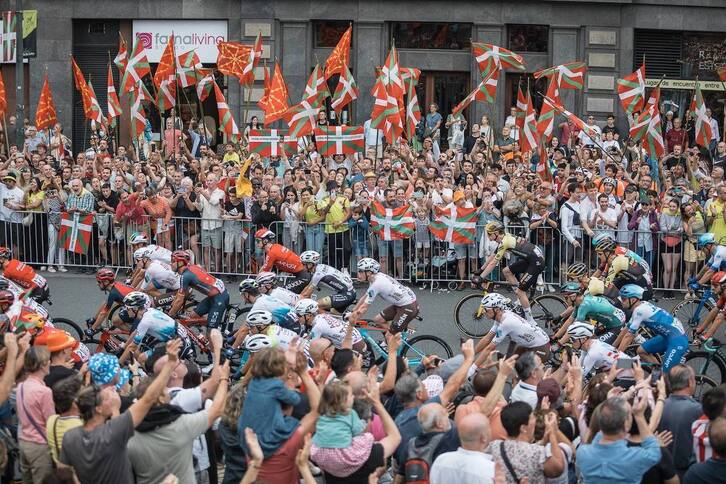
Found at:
[201, 35]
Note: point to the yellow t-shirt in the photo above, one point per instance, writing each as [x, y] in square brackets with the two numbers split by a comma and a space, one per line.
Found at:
[718, 226]
[232, 156]
[312, 212]
[336, 214]
[30, 199]
[55, 428]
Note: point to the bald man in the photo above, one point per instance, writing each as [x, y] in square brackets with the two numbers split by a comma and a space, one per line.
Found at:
[469, 464]
[321, 350]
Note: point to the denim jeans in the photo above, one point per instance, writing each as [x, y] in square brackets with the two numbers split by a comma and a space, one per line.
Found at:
[314, 238]
[647, 255]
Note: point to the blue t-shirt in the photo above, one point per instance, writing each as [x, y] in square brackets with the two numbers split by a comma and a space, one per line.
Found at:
[600, 463]
[408, 426]
[432, 119]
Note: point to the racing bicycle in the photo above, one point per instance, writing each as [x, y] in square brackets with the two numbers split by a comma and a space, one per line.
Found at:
[693, 310]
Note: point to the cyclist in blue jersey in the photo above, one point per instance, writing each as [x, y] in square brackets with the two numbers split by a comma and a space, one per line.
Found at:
[715, 260]
[670, 341]
[117, 291]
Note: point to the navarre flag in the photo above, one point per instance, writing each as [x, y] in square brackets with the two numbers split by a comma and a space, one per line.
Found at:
[486, 91]
[232, 57]
[205, 86]
[528, 135]
[3, 96]
[316, 89]
[567, 76]
[631, 90]
[253, 57]
[340, 56]
[521, 107]
[113, 104]
[75, 232]
[276, 104]
[136, 68]
[489, 56]
[45, 114]
[165, 77]
[226, 121]
[82, 87]
[122, 57]
[339, 140]
[271, 142]
[346, 91]
[704, 132]
[392, 223]
[454, 224]
[302, 118]
[413, 112]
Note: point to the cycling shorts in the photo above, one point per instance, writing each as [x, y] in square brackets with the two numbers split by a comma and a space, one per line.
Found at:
[672, 349]
[400, 316]
[298, 282]
[214, 307]
[529, 269]
[340, 301]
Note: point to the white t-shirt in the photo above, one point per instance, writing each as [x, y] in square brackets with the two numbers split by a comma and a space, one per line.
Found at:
[211, 209]
[14, 196]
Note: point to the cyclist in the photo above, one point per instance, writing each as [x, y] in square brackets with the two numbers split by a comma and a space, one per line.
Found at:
[623, 266]
[192, 276]
[716, 260]
[158, 277]
[526, 336]
[117, 291]
[267, 284]
[283, 259]
[608, 319]
[596, 355]
[28, 304]
[139, 242]
[342, 285]
[260, 322]
[403, 305]
[579, 273]
[324, 325]
[154, 323]
[33, 284]
[525, 260]
[715, 316]
[670, 340]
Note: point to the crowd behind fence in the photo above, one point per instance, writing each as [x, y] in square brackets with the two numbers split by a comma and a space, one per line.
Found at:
[227, 247]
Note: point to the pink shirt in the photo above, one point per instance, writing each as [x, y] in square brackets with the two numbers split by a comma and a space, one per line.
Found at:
[34, 406]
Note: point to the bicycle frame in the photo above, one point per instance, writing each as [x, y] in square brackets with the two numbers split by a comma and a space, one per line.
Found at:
[706, 296]
[364, 327]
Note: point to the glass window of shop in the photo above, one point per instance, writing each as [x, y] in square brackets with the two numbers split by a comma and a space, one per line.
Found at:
[431, 35]
[528, 38]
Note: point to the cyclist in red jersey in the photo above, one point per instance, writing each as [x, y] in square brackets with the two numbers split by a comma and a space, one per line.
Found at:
[214, 305]
[282, 259]
[106, 279]
[23, 275]
[715, 317]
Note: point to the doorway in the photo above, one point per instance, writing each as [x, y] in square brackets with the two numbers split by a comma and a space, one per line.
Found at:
[445, 89]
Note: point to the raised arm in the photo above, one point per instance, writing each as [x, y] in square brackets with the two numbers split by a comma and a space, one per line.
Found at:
[142, 406]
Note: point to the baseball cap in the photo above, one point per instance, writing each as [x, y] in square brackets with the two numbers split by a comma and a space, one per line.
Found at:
[551, 389]
[55, 340]
[104, 368]
[369, 174]
[10, 176]
[458, 195]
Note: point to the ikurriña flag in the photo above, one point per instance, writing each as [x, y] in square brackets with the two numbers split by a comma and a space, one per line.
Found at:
[392, 223]
[454, 224]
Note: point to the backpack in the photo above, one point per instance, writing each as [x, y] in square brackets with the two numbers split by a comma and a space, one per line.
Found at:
[419, 459]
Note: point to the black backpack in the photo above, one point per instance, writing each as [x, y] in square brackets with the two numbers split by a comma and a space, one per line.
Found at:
[420, 458]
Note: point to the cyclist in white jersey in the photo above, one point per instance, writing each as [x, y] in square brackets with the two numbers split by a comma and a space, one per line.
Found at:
[325, 325]
[715, 254]
[159, 278]
[596, 355]
[527, 336]
[142, 257]
[267, 285]
[261, 322]
[27, 304]
[344, 293]
[404, 307]
[151, 322]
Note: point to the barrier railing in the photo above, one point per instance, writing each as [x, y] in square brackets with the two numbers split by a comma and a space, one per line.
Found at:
[227, 247]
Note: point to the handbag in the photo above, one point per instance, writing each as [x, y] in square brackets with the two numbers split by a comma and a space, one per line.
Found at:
[507, 462]
[671, 240]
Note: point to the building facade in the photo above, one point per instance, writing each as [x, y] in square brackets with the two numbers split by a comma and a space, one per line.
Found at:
[679, 41]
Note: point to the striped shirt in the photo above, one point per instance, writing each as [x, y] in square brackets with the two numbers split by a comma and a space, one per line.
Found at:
[701, 443]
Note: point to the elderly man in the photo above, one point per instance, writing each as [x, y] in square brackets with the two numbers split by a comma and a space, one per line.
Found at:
[469, 464]
[209, 203]
[82, 202]
[530, 372]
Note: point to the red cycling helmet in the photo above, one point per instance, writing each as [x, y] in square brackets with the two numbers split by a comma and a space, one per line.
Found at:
[105, 274]
[7, 297]
[719, 277]
[6, 253]
[181, 256]
[265, 234]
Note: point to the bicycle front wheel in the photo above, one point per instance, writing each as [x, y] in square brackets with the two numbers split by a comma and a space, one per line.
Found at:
[703, 384]
[706, 364]
[69, 326]
[686, 310]
[545, 308]
[468, 322]
[425, 345]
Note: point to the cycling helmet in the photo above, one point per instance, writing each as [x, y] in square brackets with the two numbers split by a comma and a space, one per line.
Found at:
[310, 257]
[142, 253]
[259, 317]
[631, 290]
[306, 306]
[180, 256]
[366, 264]
[4, 284]
[718, 277]
[256, 342]
[577, 270]
[7, 297]
[605, 244]
[703, 240]
[6, 253]
[265, 234]
[596, 286]
[264, 278]
[137, 300]
[105, 274]
[495, 301]
[494, 227]
[138, 238]
[570, 288]
[249, 285]
[580, 330]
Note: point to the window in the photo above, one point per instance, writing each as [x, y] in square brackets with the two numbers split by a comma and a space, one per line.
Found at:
[422, 35]
[328, 32]
[529, 38]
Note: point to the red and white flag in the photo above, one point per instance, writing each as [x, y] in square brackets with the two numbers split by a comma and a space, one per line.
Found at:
[339, 140]
[75, 232]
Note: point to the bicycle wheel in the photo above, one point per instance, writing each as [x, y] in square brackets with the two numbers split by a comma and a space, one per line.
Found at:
[465, 317]
[425, 345]
[685, 311]
[704, 363]
[67, 325]
[545, 307]
[703, 384]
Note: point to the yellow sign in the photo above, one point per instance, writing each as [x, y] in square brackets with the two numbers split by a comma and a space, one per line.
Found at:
[30, 22]
[686, 84]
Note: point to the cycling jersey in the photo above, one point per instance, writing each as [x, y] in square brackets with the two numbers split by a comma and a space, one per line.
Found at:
[656, 319]
[629, 268]
[600, 356]
[158, 253]
[117, 293]
[197, 278]
[717, 262]
[601, 310]
[285, 295]
[24, 275]
[277, 308]
[519, 330]
[283, 259]
[157, 324]
[23, 307]
[160, 276]
[518, 247]
[390, 290]
[329, 327]
[333, 278]
[282, 338]
[620, 250]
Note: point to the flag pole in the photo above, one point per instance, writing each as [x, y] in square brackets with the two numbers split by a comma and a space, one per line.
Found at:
[199, 102]
[723, 135]
[5, 130]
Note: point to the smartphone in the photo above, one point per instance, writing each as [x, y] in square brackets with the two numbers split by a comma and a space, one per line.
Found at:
[655, 376]
[496, 355]
[624, 363]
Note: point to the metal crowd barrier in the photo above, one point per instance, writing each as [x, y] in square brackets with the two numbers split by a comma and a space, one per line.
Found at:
[227, 247]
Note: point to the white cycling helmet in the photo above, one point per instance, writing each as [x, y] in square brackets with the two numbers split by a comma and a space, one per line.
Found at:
[256, 342]
[310, 257]
[366, 264]
[142, 253]
[138, 238]
[266, 278]
[137, 300]
[495, 301]
[580, 330]
[259, 317]
[306, 306]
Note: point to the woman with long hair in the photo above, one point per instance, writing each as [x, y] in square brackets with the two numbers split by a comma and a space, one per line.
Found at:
[671, 238]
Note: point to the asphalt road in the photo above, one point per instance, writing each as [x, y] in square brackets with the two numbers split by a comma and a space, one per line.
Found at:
[77, 297]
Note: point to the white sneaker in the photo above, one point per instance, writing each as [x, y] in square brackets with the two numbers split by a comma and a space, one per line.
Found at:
[50, 269]
[43, 268]
[62, 269]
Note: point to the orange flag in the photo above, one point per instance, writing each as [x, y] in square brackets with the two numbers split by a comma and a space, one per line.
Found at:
[276, 103]
[340, 57]
[3, 97]
[45, 115]
[232, 58]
